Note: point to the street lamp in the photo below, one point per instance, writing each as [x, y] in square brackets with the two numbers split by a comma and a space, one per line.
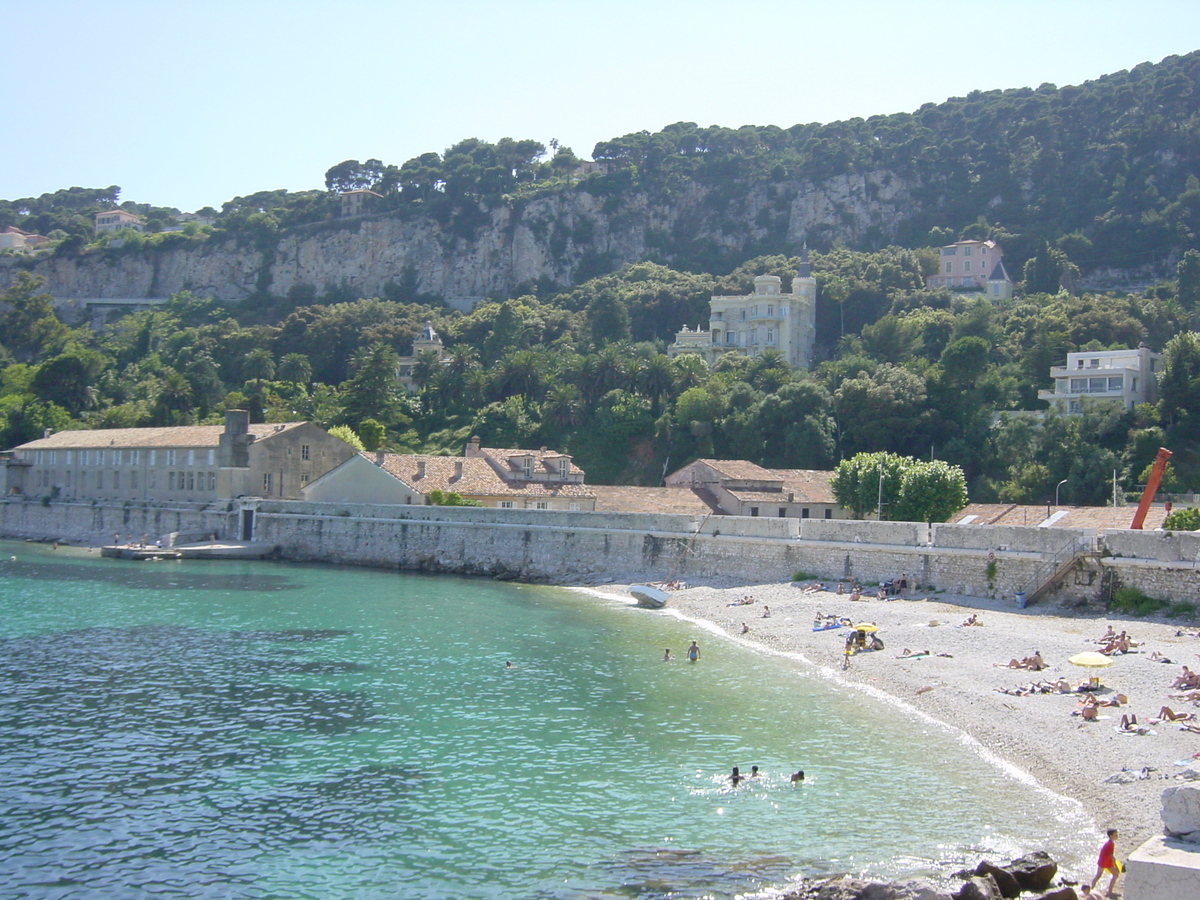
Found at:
[1060, 484]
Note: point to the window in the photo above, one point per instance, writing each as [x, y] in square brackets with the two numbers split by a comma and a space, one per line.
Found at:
[135, 457]
[1094, 363]
[804, 513]
[99, 457]
[949, 268]
[170, 457]
[506, 504]
[743, 315]
[68, 477]
[754, 510]
[1075, 406]
[212, 481]
[152, 455]
[191, 481]
[304, 476]
[267, 483]
[83, 457]
[829, 513]
[116, 481]
[527, 466]
[770, 335]
[118, 457]
[541, 504]
[966, 265]
[171, 480]
[152, 478]
[949, 251]
[70, 454]
[753, 335]
[730, 337]
[212, 457]
[783, 512]
[770, 309]
[574, 506]
[564, 468]
[1115, 383]
[304, 451]
[966, 251]
[53, 457]
[1133, 386]
[133, 479]
[99, 480]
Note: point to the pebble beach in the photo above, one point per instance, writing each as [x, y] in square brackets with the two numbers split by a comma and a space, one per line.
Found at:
[961, 682]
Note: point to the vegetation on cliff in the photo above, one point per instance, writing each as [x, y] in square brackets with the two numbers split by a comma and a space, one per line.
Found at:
[1069, 180]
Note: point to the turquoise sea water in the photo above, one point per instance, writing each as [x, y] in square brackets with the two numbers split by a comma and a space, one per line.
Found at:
[264, 730]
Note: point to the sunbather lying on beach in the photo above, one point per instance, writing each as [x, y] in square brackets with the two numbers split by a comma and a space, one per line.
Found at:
[972, 620]
[1130, 724]
[906, 653]
[1193, 696]
[1166, 714]
[1158, 657]
[1038, 687]
[1035, 662]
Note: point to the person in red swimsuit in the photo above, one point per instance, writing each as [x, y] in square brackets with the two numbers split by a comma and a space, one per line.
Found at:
[1107, 862]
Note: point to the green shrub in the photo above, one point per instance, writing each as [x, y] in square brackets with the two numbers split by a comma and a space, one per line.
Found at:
[1182, 610]
[1132, 601]
[801, 575]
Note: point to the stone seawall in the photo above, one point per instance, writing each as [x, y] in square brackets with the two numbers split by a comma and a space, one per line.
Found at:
[563, 547]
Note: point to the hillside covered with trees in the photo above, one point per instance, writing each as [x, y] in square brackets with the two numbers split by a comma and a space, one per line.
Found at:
[1073, 182]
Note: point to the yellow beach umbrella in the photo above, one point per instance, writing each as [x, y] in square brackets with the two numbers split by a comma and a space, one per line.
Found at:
[867, 626]
[1090, 659]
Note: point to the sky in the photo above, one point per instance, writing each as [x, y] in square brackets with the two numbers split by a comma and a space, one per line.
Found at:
[190, 103]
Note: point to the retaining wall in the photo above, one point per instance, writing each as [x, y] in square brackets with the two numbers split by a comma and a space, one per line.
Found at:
[562, 546]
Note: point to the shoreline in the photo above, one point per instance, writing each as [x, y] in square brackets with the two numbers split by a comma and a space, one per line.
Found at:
[1034, 738]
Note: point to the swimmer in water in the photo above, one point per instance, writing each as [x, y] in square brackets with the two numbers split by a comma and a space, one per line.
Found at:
[798, 777]
[693, 652]
[754, 771]
[667, 657]
[737, 777]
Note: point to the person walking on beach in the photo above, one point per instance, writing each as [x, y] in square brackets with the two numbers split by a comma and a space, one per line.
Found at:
[693, 652]
[1107, 862]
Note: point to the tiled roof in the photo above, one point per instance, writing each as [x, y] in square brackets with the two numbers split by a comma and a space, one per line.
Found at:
[740, 469]
[478, 478]
[811, 485]
[671, 500]
[176, 436]
[1075, 516]
[545, 460]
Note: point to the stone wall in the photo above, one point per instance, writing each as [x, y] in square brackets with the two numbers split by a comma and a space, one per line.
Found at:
[562, 546]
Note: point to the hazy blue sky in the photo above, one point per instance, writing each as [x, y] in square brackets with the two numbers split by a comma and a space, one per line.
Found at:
[189, 104]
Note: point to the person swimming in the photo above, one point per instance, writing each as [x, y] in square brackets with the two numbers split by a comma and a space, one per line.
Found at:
[754, 771]
[736, 777]
[667, 657]
[798, 777]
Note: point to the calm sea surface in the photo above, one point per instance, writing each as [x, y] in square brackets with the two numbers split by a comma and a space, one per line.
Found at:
[264, 730]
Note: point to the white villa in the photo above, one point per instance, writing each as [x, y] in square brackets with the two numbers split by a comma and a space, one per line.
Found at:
[751, 324]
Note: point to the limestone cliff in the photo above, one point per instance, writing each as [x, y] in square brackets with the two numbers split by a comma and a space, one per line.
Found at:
[561, 237]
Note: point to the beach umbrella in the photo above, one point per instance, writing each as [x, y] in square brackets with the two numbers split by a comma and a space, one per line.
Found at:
[1090, 659]
[867, 627]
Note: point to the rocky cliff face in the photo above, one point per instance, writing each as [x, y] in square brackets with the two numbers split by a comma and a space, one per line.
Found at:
[561, 237]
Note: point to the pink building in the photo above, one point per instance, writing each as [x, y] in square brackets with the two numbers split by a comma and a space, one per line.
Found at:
[973, 266]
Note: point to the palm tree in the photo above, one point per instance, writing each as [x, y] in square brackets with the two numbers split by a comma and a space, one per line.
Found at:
[259, 365]
[295, 368]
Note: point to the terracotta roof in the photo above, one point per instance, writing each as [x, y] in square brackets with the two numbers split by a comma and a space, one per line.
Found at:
[1073, 516]
[739, 469]
[546, 460]
[810, 485]
[478, 478]
[176, 436]
[671, 500]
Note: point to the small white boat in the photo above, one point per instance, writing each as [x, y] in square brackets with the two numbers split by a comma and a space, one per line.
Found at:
[650, 596]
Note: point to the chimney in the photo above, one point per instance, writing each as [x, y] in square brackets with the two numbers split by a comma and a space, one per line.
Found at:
[458, 467]
[237, 421]
[420, 468]
[379, 457]
[472, 446]
[46, 432]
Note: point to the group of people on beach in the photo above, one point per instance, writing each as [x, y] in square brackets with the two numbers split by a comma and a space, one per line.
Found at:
[693, 653]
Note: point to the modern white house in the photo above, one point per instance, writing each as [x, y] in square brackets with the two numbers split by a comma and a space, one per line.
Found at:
[751, 324]
[1124, 377]
[973, 266]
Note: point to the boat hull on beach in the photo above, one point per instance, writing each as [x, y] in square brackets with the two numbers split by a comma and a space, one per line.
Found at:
[651, 596]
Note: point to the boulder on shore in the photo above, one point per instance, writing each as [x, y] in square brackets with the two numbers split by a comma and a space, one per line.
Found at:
[1181, 812]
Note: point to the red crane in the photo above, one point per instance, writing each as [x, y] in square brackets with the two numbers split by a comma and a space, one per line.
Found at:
[1156, 473]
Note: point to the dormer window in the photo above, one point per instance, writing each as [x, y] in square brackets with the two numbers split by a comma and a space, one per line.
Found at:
[527, 466]
[564, 468]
